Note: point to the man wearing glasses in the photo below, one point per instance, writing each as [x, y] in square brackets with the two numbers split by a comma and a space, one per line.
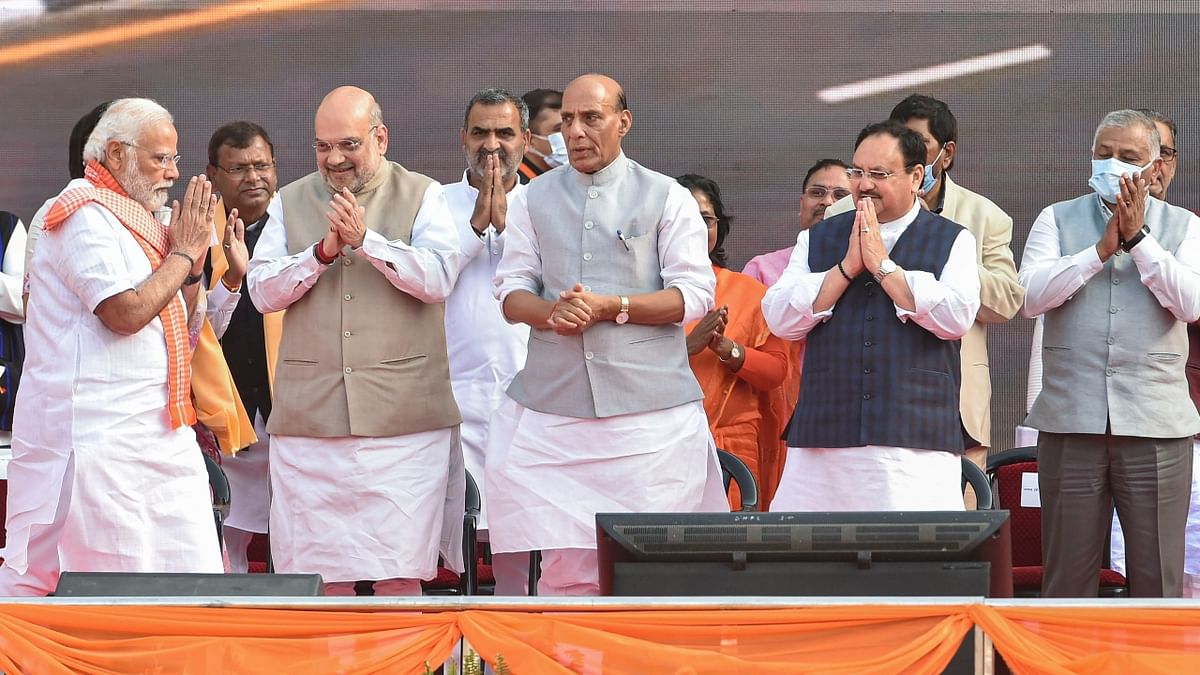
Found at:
[882, 294]
[365, 460]
[824, 184]
[106, 474]
[999, 293]
[241, 165]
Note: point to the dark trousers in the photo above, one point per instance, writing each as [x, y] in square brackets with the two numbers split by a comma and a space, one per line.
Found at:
[1148, 479]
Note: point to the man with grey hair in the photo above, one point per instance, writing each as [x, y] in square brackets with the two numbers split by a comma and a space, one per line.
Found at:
[486, 351]
[1114, 272]
[115, 306]
[366, 470]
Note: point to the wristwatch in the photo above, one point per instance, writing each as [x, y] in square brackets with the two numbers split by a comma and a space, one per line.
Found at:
[885, 268]
[192, 279]
[734, 352]
[1137, 239]
[623, 315]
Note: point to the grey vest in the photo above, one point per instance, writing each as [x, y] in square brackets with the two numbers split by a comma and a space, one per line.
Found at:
[610, 369]
[1112, 357]
[359, 357]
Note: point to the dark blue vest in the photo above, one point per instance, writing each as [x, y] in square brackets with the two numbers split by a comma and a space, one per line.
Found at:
[870, 379]
[12, 342]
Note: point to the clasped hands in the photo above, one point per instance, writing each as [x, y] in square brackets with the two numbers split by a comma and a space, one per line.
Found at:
[709, 333]
[191, 226]
[1128, 216]
[491, 205]
[346, 224]
[865, 250]
[577, 309]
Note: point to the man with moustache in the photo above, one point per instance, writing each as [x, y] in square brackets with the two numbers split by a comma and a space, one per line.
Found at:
[485, 350]
[546, 148]
[882, 295]
[999, 293]
[241, 166]
[606, 260]
[115, 302]
[1114, 273]
[365, 459]
[824, 183]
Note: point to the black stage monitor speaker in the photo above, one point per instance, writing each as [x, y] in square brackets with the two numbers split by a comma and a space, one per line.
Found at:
[142, 584]
[902, 553]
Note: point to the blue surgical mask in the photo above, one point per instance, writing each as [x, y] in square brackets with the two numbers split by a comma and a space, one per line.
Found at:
[1106, 176]
[930, 179]
[558, 149]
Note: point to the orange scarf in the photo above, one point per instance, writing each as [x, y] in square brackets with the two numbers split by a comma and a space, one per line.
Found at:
[155, 241]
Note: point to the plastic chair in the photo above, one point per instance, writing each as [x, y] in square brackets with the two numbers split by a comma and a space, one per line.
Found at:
[1006, 470]
[221, 495]
[978, 480]
[734, 469]
[447, 581]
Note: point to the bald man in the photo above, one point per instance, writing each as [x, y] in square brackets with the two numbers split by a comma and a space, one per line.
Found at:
[605, 261]
[365, 458]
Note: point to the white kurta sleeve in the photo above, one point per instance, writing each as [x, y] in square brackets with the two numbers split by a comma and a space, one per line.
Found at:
[12, 277]
[221, 303]
[91, 262]
[1049, 277]
[788, 304]
[683, 254]
[946, 305]
[520, 266]
[427, 267]
[1173, 279]
[275, 279]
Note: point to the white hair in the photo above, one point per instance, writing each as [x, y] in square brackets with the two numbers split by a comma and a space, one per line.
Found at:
[124, 121]
[1123, 119]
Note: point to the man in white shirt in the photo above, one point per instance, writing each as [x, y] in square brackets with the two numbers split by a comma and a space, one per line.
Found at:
[366, 469]
[106, 474]
[605, 261]
[486, 351]
[883, 295]
[1115, 273]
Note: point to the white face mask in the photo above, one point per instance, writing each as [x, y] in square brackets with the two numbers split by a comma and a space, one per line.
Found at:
[1106, 176]
[558, 149]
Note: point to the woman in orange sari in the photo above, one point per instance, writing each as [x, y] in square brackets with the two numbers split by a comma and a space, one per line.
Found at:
[740, 365]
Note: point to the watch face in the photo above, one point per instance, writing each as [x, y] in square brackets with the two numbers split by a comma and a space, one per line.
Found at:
[621, 317]
[735, 352]
[887, 266]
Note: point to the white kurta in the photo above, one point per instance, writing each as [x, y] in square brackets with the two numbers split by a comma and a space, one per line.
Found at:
[549, 475]
[356, 508]
[12, 310]
[872, 477]
[485, 350]
[96, 464]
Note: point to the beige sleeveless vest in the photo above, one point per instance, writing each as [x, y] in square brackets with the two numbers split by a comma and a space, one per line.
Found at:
[359, 357]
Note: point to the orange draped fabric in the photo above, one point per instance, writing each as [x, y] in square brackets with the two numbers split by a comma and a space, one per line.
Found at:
[744, 420]
[867, 638]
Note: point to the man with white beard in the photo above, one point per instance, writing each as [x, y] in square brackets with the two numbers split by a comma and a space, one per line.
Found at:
[106, 475]
[485, 350]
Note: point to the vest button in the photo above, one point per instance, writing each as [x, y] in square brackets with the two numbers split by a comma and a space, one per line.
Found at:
[870, 318]
[1111, 340]
[588, 355]
[866, 397]
[1109, 372]
[592, 194]
[588, 225]
[866, 371]
[587, 256]
[347, 262]
[349, 370]
[867, 343]
[1112, 310]
[348, 296]
[1116, 281]
[346, 334]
